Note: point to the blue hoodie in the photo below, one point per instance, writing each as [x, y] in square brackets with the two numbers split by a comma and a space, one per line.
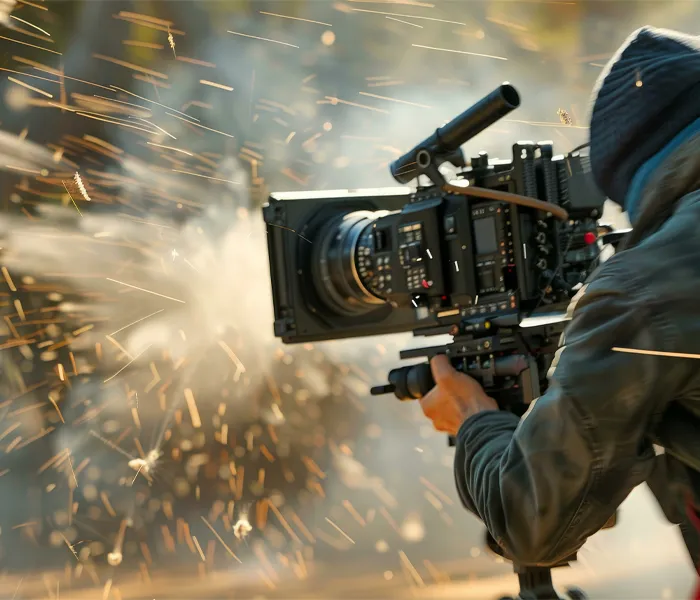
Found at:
[648, 169]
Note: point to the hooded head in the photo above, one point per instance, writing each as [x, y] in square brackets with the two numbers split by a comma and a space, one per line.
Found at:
[646, 104]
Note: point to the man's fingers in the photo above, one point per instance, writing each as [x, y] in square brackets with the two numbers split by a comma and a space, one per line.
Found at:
[427, 403]
[441, 426]
[442, 369]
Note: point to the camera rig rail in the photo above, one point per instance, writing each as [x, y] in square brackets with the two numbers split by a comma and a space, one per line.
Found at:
[509, 360]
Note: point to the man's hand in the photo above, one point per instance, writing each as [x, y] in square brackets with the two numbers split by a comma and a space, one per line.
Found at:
[455, 397]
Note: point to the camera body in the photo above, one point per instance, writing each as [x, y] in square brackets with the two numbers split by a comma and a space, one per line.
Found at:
[376, 262]
[493, 259]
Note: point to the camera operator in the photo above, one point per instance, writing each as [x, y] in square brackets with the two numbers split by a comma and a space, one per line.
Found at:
[545, 482]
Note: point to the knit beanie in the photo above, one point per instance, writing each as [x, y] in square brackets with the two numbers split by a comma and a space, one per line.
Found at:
[647, 94]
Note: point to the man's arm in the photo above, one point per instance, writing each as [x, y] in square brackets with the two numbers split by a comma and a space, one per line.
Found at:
[545, 483]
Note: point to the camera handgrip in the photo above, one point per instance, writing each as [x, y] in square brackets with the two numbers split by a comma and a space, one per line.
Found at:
[415, 381]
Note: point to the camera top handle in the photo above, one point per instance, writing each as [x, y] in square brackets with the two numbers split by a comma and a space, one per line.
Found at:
[445, 144]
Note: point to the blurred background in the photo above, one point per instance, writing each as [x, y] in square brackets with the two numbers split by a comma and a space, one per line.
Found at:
[156, 441]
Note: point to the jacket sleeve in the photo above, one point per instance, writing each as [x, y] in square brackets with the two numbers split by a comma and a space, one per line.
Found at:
[544, 483]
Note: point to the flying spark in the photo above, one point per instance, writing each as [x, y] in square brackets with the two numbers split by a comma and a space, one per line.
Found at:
[137, 321]
[144, 290]
[2, 37]
[127, 364]
[206, 177]
[292, 230]
[200, 126]
[459, 52]
[221, 541]
[339, 530]
[255, 37]
[216, 85]
[564, 117]
[656, 353]
[269, 14]
[376, 12]
[171, 41]
[71, 198]
[242, 528]
[405, 22]
[333, 100]
[81, 186]
[132, 66]
[29, 87]
[185, 152]
[30, 24]
[118, 89]
[395, 100]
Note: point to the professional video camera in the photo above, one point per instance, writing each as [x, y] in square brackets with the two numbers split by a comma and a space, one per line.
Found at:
[492, 259]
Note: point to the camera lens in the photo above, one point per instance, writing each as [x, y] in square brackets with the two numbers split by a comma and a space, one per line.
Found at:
[338, 257]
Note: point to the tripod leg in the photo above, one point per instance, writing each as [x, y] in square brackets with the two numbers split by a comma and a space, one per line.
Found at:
[536, 584]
